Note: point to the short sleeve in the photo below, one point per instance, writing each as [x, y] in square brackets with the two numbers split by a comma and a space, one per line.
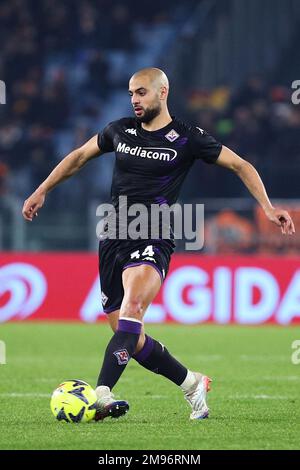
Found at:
[105, 139]
[204, 146]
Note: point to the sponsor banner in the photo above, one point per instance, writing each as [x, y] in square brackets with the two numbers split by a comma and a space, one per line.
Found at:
[235, 289]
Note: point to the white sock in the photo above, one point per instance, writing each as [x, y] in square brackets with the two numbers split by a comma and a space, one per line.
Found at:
[188, 382]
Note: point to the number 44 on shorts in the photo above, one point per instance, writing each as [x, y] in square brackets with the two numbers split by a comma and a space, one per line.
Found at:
[148, 251]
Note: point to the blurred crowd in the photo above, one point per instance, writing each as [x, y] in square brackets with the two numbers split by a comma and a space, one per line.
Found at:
[260, 123]
[54, 61]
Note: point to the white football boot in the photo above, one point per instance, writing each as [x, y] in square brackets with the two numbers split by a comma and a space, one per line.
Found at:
[107, 405]
[196, 396]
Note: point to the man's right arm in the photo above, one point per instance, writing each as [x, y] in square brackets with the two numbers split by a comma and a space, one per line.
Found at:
[66, 168]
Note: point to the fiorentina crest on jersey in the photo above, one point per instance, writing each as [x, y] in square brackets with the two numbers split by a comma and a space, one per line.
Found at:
[172, 135]
[122, 356]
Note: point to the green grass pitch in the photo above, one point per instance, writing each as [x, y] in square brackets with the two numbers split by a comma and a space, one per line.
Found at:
[254, 402]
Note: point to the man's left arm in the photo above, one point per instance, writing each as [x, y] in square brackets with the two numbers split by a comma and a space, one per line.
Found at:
[253, 182]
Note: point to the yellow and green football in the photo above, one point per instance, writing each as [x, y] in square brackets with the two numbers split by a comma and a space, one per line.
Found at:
[74, 401]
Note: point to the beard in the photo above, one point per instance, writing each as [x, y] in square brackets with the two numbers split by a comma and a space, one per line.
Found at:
[149, 114]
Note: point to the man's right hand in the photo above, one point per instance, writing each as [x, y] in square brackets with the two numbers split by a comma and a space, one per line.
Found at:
[33, 204]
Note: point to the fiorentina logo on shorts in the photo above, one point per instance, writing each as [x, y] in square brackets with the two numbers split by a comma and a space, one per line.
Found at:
[104, 298]
[122, 356]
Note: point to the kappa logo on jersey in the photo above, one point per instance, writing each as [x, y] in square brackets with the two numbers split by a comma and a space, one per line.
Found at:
[131, 131]
[104, 298]
[155, 153]
[122, 356]
[172, 135]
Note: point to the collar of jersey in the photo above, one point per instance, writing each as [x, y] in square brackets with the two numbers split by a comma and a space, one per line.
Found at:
[162, 129]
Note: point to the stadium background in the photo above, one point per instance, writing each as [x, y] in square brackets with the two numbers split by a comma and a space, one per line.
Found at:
[66, 68]
[231, 65]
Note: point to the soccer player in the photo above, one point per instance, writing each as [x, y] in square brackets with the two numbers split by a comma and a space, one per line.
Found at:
[154, 151]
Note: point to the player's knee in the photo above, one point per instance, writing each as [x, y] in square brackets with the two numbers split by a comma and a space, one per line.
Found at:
[132, 308]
